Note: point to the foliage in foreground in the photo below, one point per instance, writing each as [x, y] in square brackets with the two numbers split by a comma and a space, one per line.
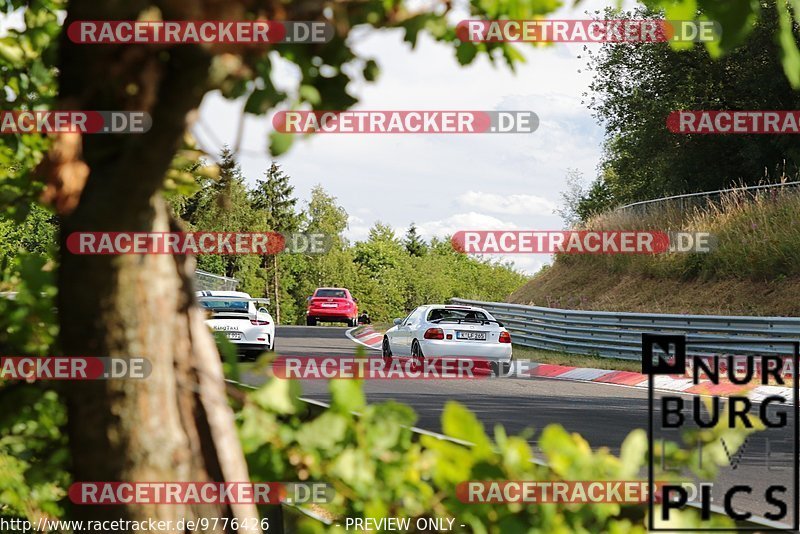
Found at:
[378, 469]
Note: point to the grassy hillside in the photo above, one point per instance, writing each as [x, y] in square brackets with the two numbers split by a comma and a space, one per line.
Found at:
[755, 269]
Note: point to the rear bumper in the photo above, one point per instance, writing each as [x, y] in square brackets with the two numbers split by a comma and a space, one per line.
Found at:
[329, 314]
[435, 348]
[248, 344]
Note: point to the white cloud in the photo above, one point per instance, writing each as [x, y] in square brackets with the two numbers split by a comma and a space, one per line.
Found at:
[462, 221]
[357, 229]
[514, 204]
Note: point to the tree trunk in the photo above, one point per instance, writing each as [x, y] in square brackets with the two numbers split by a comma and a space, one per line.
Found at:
[175, 425]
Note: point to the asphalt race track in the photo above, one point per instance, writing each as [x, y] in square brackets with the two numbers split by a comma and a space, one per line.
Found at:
[602, 414]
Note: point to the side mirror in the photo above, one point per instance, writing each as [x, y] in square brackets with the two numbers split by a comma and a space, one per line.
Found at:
[355, 299]
[308, 299]
[397, 321]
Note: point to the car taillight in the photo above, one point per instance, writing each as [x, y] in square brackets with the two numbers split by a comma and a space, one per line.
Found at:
[505, 337]
[434, 333]
[258, 323]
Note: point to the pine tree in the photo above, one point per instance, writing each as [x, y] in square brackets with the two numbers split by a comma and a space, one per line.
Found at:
[414, 244]
[273, 198]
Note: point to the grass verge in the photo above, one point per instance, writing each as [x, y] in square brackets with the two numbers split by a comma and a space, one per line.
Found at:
[575, 360]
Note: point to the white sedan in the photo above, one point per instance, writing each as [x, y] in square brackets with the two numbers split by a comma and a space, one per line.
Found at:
[248, 327]
[442, 331]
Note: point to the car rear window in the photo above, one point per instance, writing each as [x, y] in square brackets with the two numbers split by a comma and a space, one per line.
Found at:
[331, 293]
[233, 305]
[455, 315]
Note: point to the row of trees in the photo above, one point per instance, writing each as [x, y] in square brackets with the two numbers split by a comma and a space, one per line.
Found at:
[634, 89]
[388, 275]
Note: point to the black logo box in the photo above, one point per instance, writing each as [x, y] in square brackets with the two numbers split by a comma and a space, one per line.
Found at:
[677, 365]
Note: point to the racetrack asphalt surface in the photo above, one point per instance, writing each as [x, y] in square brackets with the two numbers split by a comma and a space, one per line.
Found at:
[603, 414]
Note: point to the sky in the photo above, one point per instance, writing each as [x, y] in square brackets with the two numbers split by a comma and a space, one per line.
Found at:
[443, 183]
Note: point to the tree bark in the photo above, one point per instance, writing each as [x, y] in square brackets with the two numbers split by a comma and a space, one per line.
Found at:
[175, 425]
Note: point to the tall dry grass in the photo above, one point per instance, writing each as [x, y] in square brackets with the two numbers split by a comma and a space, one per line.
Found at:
[757, 237]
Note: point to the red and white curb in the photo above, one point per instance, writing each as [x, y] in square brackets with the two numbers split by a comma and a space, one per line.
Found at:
[367, 336]
[370, 338]
[676, 383]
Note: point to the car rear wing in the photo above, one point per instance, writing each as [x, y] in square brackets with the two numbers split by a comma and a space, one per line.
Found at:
[223, 299]
[242, 313]
[459, 321]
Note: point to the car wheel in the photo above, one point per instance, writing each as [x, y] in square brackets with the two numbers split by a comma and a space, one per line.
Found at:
[310, 321]
[386, 350]
[352, 322]
[416, 353]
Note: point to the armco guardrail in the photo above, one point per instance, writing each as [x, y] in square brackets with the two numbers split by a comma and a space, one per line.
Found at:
[619, 335]
[684, 203]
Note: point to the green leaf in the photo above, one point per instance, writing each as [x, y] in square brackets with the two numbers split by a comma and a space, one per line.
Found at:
[11, 52]
[632, 453]
[413, 26]
[262, 100]
[326, 432]
[458, 422]
[790, 55]
[737, 18]
[371, 70]
[466, 52]
[347, 395]
[280, 142]
[279, 396]
[310, 94]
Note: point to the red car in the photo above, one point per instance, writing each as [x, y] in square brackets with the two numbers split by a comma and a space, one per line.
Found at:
[332, 304]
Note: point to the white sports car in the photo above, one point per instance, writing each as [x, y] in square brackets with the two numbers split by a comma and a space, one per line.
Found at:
[248, 327]
[437, 330]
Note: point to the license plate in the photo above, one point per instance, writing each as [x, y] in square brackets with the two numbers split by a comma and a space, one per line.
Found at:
[329, 304]
[473, 336]
[234, 335]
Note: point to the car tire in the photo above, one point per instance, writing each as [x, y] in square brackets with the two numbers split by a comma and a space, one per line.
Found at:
[386, 350]
[352, 322]
[311, 321]
[416, 353]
